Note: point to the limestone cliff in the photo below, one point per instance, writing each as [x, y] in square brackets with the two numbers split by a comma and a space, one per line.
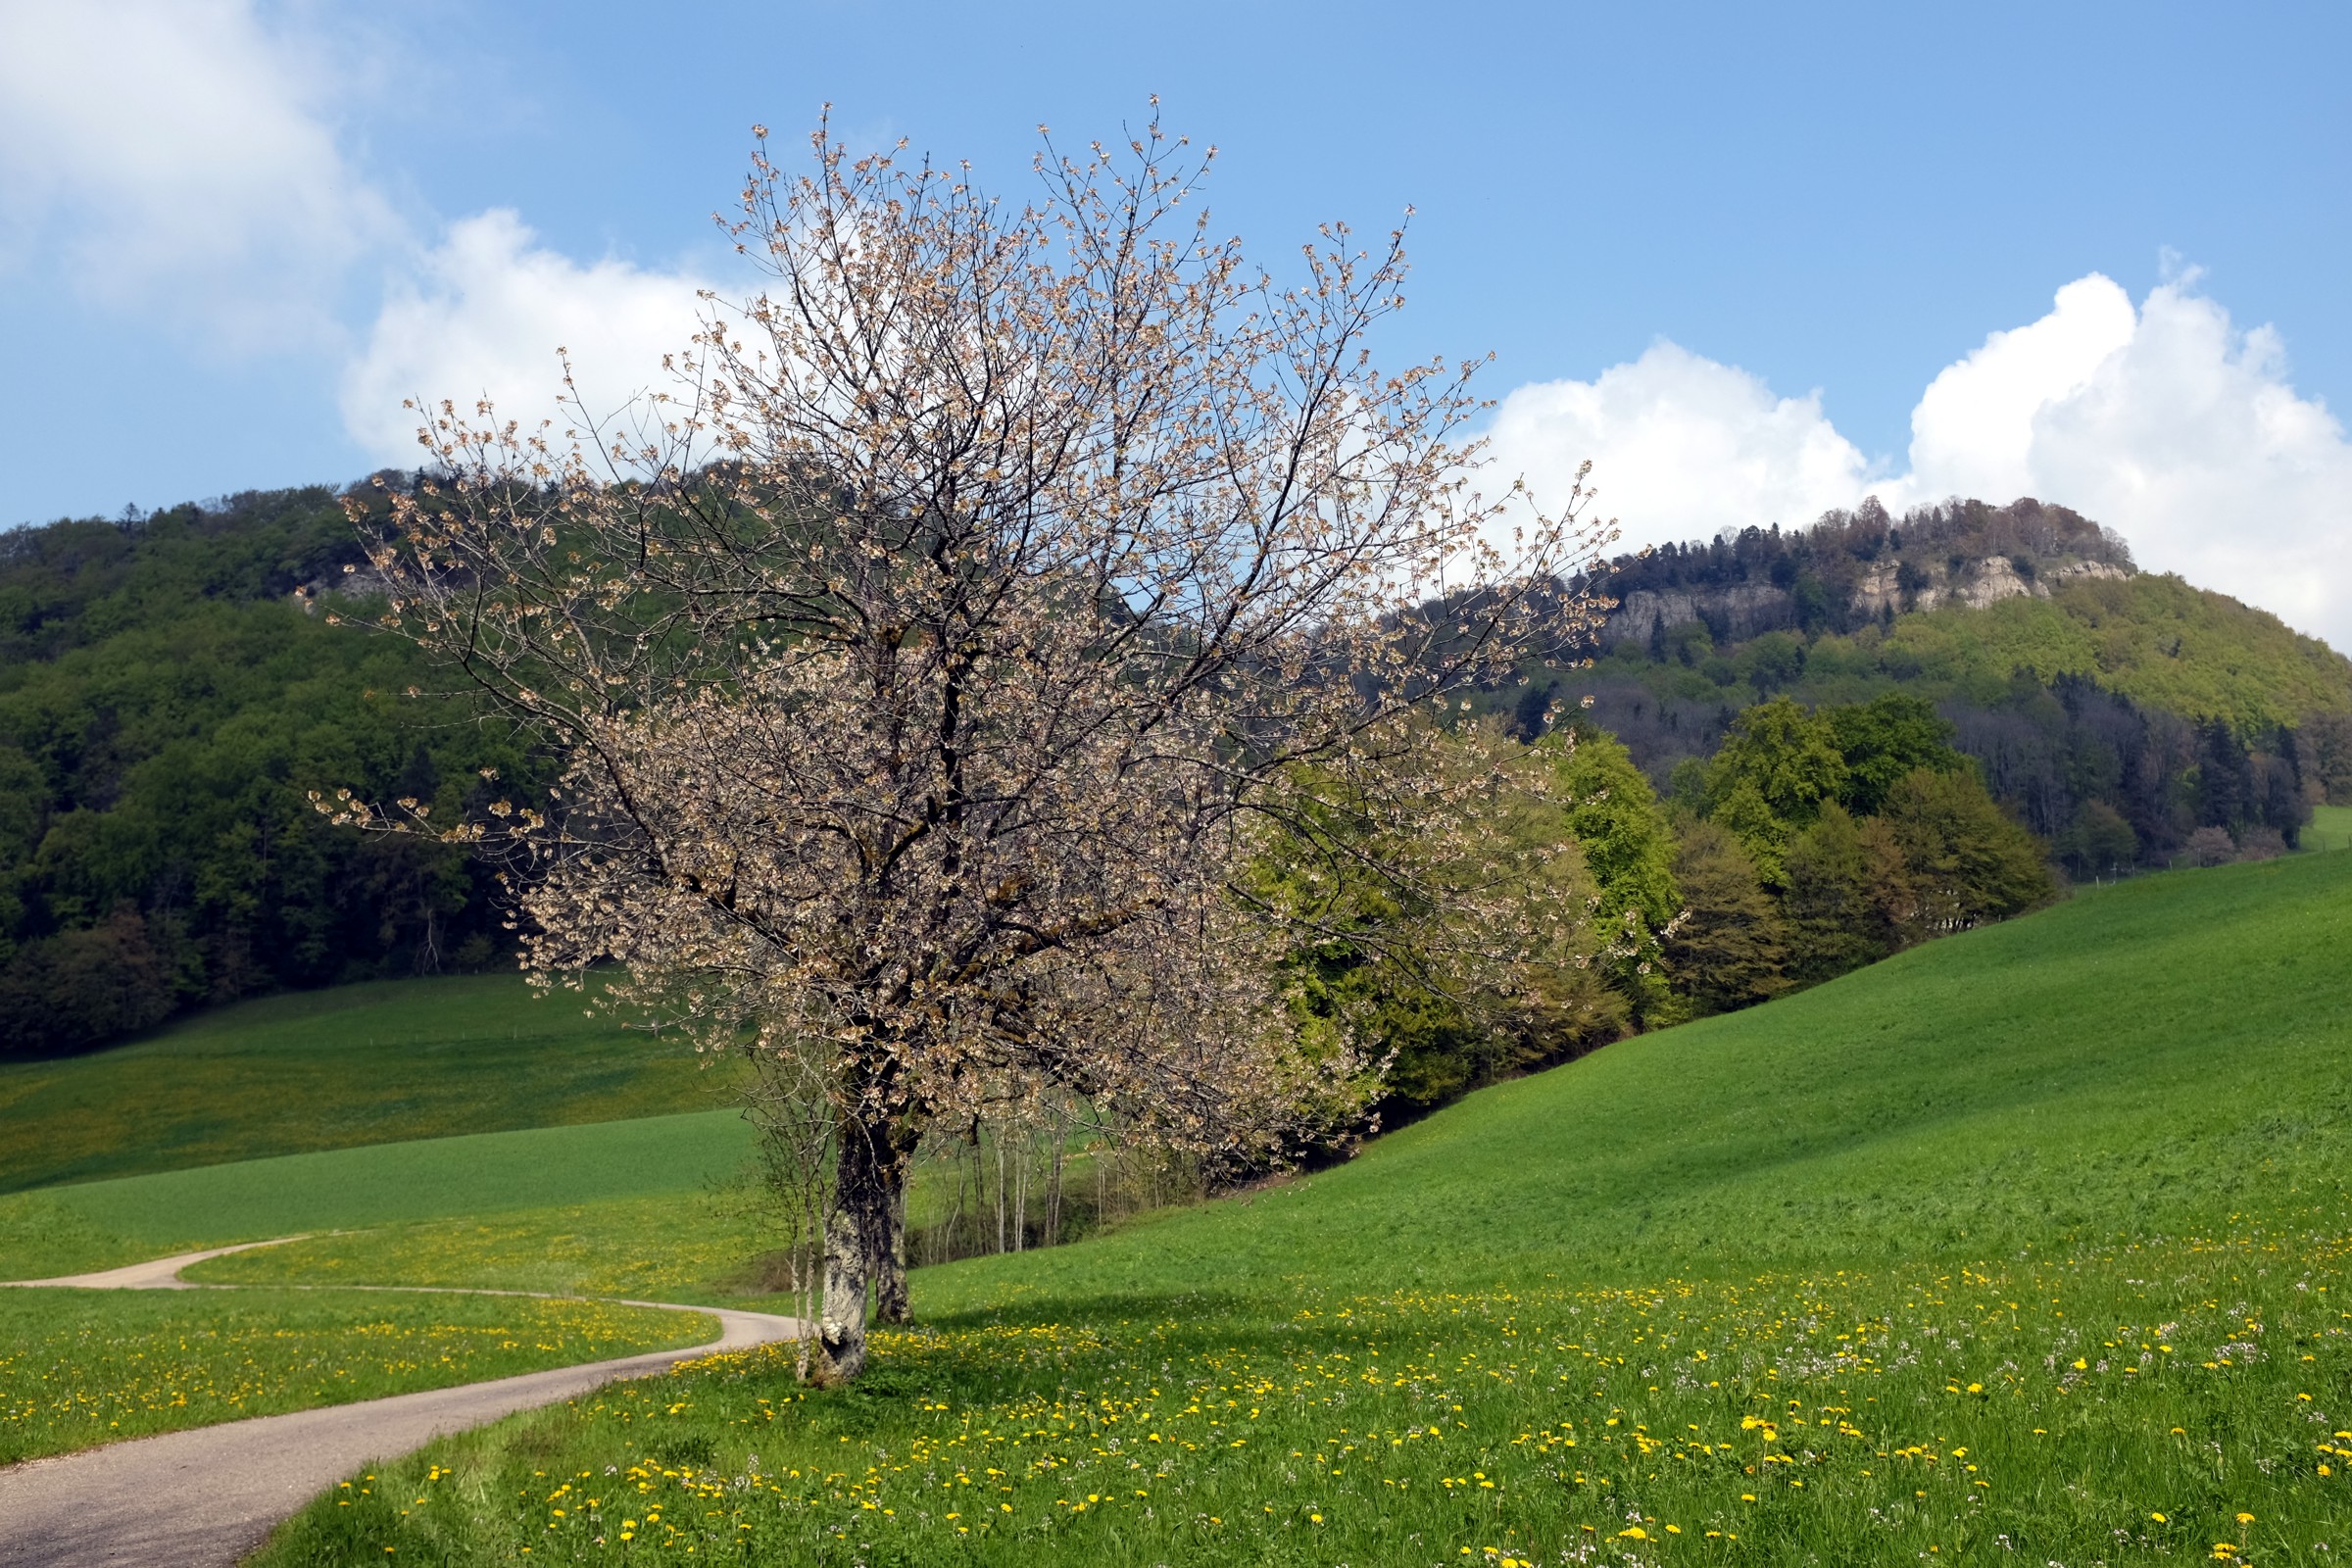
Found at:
[1854, 568]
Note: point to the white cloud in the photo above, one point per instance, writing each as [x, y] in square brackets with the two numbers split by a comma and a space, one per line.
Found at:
[179, 155]
[1973, 431]
[2165, 421]
[2188, 437]
[1681, 446]
[182, 160]
[486, 317]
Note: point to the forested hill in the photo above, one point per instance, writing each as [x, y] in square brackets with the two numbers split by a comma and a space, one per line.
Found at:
[170, 690]
[2095, 696]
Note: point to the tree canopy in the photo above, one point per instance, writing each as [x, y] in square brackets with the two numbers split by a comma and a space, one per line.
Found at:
[928, 662]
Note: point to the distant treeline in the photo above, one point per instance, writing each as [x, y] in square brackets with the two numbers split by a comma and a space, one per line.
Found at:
[2115, 786]
[169, 691]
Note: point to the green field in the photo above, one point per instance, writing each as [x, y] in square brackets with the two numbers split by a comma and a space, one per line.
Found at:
[372, 1063]
[85, 1368]
[2026, 1245]
[678, 1159]
[697, 1247]
[2330, 828]
[1783, 1276]
[2142, 1056]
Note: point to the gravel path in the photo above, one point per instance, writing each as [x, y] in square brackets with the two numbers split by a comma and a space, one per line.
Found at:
[160, 1274]
[204, 1499]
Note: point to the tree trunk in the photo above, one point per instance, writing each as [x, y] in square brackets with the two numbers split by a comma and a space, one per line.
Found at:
[1020, 1200]
[865, 1253]
[889, 1261]
[1052, 1237]
[840, 1353]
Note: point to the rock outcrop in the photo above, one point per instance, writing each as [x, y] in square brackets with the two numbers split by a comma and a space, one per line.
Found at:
[1739, 612]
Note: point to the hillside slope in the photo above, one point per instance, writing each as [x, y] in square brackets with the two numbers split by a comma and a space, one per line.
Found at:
[383, 1061]
[170, 687]
[1956, 601]
[554, 1173]
[2084, 687]
[2156, 1057]
[2155, 639]
[2162, 1057]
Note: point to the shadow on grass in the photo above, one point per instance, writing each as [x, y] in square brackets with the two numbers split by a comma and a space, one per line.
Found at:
[1125, 1308]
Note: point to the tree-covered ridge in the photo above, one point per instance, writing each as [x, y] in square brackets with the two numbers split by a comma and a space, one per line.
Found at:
[1954, 601]
[2154, 639]
[78, 581]
[1849, 568]
[170, 690]
[2096, 699]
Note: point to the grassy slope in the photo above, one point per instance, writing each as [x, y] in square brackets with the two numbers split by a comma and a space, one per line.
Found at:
[2149, 1057]
[2330, 828]
[2155, 639]
[372, 1063]
[2031, 1241]
[2155, 1054]
[99, 1224]
[2151, 1054]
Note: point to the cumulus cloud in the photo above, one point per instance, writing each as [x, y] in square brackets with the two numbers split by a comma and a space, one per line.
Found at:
[2185, 433]
[2164, 420]
[181, 155]
[182, 160]
[1973, 431]
[1681, 446]
[484, 316]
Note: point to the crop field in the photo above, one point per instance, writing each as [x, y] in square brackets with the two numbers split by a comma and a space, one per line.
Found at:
[85, 1368]
[374, 1064]
[2028, 1245]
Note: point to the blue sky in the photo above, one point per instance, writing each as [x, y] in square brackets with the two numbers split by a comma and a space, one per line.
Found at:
[1751, 260]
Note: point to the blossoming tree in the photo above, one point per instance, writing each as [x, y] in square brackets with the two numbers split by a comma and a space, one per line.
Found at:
[926, 658]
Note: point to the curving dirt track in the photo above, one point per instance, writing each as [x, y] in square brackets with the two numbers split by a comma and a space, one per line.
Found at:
[208, 1496]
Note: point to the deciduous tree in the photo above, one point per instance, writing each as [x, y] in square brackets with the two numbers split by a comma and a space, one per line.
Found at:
[1964, 862]
[1834, 901]
[1730, 947]
[1622, 832]
[1777, 767]
[931, 655]
[1393, 918]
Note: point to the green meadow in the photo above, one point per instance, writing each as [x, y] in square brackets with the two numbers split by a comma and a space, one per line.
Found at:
[683, 1160]
[2026, 1245]
[373, 1064]
[2033, 1240]
[85, 1368]
[78, 1368]
[2330, 828]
